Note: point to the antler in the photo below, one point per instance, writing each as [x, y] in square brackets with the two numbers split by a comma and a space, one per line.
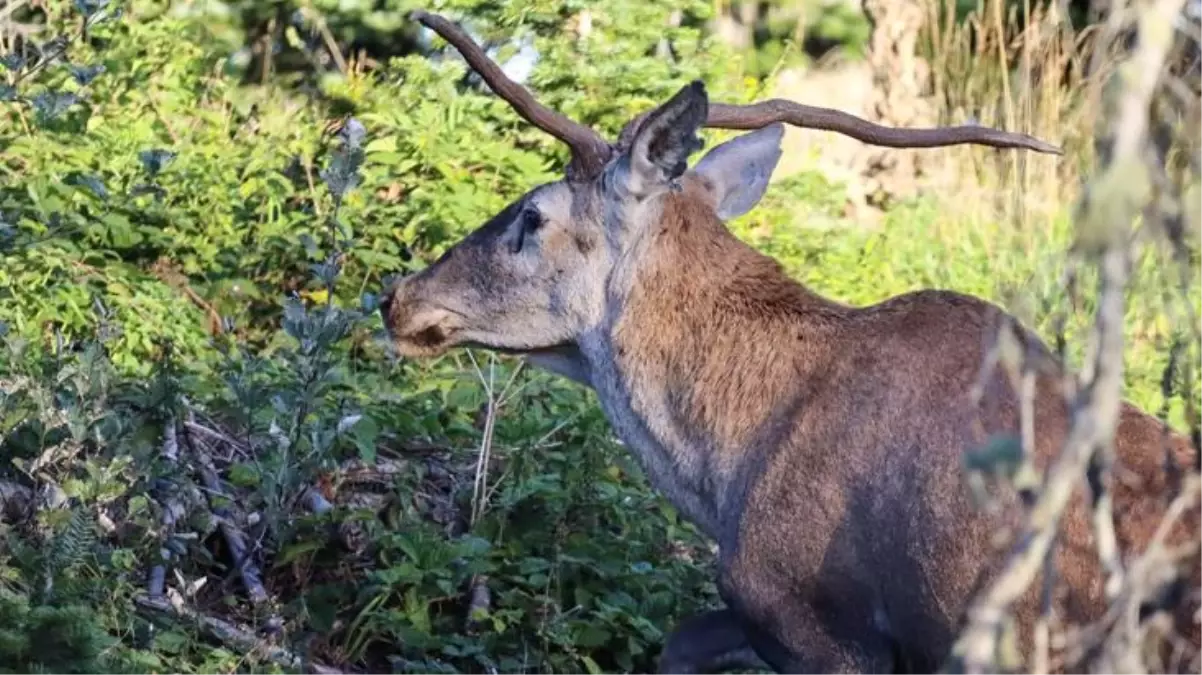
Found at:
[758, 115]
[590, 151]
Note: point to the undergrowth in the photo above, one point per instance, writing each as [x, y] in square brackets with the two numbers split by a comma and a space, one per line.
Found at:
[210, 460]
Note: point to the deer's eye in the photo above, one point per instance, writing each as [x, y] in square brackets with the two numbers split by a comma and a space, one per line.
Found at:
[529, 221]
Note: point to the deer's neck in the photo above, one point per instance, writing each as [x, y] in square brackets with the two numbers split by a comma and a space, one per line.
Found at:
[703, 364]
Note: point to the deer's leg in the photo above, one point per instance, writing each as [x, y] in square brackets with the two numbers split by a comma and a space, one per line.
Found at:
[799, 643]
[821, 625]
[709, 643]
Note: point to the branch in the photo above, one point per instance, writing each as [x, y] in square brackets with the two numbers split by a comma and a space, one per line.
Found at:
[1109, 208]
[193, 426]
[11, 8]
[234, 538]
[172, 511]
[240, 640]
[1116, 634]
[44, 60]
[1092, 427]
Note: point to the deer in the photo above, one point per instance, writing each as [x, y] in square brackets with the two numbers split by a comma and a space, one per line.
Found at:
[818, 444]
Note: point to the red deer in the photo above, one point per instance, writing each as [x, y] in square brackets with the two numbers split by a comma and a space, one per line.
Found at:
[819, 444]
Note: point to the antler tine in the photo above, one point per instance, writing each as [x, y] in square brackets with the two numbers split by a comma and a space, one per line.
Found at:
[590, 151]
[757, 115]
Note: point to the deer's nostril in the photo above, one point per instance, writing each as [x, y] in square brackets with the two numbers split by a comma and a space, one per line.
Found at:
[430, 337]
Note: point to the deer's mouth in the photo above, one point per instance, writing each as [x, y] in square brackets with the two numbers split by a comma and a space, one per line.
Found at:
[425, 334]
[426, 343]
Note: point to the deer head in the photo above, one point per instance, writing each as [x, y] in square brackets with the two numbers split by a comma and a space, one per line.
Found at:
[542, 271]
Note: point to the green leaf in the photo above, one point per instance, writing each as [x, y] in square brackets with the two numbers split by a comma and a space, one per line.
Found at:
[591, 665]
[297, 549]
[170, 642]
[1002, 453]
[592, 635]
[243, 474]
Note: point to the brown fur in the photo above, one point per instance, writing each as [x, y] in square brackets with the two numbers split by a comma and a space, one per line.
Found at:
[862, 388]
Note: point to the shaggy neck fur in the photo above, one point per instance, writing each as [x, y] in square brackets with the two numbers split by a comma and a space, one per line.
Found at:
[662, 364]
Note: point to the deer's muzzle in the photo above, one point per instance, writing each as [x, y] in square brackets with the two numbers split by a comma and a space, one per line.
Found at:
[418, 327]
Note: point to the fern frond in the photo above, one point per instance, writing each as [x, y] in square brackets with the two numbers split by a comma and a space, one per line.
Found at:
[70, 548]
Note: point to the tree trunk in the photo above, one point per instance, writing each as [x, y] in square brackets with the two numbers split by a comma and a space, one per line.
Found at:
[900, 81]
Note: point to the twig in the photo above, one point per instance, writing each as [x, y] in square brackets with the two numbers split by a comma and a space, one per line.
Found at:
[1190, 492]
[241, 640]
[1099, 474]
[234, 538]
[44, 60]
[358, 471]
[496, 401]
[479, 602]
[174, 278]
[1092, 426]
[191, 425]
[1043, 632]
[480, 482]
[172, 511]
[1149, 573]
[328, 38]
[9, 9]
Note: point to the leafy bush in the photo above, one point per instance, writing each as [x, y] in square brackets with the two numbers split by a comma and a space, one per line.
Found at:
[201, 248]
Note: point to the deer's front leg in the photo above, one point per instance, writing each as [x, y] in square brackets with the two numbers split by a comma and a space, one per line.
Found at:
[709, 643]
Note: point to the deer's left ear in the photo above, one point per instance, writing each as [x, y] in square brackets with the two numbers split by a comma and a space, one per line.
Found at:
[738, 171]
[661, 149]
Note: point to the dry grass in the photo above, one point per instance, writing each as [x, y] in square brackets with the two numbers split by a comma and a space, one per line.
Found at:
[1026, 71]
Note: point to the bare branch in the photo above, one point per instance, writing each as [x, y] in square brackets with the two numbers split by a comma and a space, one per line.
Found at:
[240, 640]
[1116, 196]
[172, 511]
[234, 538]
[196, 427]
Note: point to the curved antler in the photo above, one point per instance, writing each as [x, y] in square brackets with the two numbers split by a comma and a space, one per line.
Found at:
[590, 151]
[759, 115]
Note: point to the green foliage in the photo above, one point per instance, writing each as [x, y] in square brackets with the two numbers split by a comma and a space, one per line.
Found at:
[86, 216]
[200, 246]
[48, 639]
[180, 251]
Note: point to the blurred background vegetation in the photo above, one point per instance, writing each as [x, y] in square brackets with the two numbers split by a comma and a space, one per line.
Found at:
[208, 459]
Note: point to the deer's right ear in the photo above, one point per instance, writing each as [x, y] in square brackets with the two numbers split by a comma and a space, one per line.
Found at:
[739, 169]
[661, 149]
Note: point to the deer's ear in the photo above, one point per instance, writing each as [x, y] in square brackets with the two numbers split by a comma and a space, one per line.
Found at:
[661, 149]
[739, 169]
